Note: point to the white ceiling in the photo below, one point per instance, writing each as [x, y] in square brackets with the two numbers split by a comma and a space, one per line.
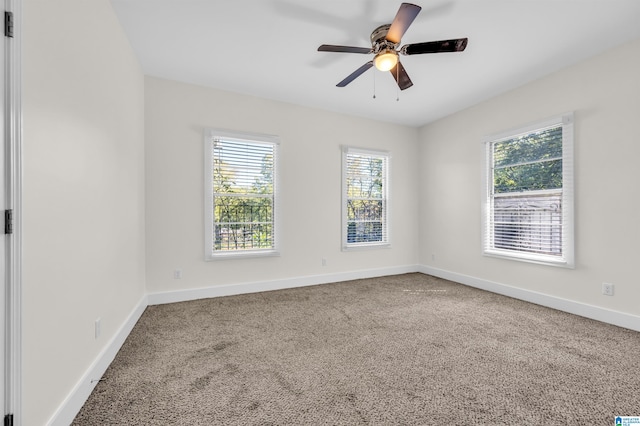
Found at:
[268, 48]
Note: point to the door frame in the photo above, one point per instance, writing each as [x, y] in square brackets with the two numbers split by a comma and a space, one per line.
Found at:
[12, 309]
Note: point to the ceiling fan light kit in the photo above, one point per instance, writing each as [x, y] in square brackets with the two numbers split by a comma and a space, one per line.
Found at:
[386, 60]
[384, 45]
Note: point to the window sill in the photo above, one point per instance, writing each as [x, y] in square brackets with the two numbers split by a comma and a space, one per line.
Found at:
[365, 246]
[242, 255]
[530, 258]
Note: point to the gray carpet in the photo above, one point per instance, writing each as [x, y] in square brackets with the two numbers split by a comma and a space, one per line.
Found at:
[408, 349]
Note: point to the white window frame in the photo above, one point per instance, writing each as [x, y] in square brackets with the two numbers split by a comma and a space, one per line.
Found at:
[210, 136]
[567, 257]
[386, 217]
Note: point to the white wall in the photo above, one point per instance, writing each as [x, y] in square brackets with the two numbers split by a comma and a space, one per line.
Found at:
[83, 193]
[102, 144]
[604, 93]
[310, 187]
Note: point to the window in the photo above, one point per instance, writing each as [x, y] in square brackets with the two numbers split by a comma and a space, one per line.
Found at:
[528, 212]
[240, 194]
[365, 200]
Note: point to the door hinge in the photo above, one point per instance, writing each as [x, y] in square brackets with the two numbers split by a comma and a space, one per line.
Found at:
[8, 221]
[8, 420]
[8, 24]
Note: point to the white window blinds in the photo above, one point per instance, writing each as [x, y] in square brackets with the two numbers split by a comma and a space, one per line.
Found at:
[241, 206]
[365, 198]
[529, 207]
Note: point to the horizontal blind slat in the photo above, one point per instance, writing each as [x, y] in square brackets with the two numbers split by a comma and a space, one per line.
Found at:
[244, 195]
[525, 199]
[364, 195]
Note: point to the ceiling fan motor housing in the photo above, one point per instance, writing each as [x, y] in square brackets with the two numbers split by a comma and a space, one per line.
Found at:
[379, 41]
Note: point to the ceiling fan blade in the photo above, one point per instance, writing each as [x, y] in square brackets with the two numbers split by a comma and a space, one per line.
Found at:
[355, 74]
[405, 16]
[400, 75]
[455, 45]
[345, 49]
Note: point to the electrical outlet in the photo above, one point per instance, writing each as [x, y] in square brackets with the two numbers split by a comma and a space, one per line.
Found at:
[177, 274]
[607, 289]
[324, 262]
[98, 327]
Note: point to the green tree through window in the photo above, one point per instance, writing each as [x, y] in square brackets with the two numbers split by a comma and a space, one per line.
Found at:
[528, 194]
[243, 191]
[365, 197]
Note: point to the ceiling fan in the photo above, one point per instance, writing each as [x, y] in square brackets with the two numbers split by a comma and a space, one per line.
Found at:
[384, 45]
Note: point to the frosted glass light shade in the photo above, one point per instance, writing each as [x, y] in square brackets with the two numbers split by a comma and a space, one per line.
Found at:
[384, 61]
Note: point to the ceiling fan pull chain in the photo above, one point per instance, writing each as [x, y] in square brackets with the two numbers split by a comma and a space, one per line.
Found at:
[397, 79]
[374, 85]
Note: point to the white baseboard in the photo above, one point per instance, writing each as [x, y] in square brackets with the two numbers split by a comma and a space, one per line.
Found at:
[78, 396]
[609, 316]
[80, 393]
[255, 287]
